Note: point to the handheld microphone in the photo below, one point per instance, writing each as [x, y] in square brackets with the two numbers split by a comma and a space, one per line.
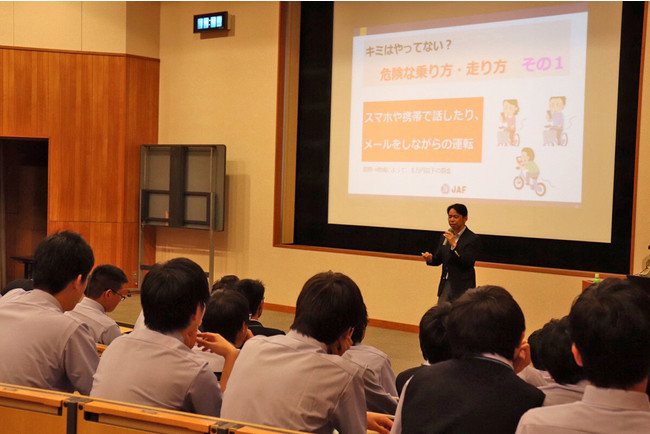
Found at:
[446, 241]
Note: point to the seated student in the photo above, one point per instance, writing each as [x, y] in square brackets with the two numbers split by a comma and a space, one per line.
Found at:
[477, 390]
[103, 294]
[225, 314]
[253, 290]
[155, 365]
[433, 341]
[376, 360]
[609, 324]
[39, 345]
[568, 383]
[300, 381]
[229, 281]
[535, 373]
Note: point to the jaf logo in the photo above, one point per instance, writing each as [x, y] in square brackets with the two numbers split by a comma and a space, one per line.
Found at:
[456, 189]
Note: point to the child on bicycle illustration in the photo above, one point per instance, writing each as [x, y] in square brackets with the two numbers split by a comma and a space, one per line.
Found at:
[508, 121]
[528, 166]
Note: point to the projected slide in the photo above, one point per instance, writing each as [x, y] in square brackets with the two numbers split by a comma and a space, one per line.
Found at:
[490, 110]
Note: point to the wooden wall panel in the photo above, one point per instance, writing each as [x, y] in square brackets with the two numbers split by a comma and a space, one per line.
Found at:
[105, 138]
[68, 172]
[142, 124]
[96, 110]
[130, 253]
[24, 79]
[142, 128]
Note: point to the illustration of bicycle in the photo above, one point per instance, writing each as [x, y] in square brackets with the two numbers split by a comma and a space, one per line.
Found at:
[557, 136]
[551, 136]
[520, 180]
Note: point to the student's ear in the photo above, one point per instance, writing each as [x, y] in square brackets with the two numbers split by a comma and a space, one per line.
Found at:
[197, 316]
[80, 285]
[243, 335]
[576, 355]
[342, 344]
[260, 309]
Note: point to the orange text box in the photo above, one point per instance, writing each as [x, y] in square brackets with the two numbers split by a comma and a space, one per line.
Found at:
[433, 130]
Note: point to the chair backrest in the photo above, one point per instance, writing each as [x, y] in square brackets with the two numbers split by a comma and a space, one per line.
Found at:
[26, 409]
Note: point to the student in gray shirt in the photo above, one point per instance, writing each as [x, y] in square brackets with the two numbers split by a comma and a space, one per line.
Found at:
[609, 325]
[155, 365]
[300, 381]
[103, 294]
[39, 345]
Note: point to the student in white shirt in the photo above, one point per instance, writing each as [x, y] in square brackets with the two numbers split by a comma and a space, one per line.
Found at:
[103, 293]
[610, 327]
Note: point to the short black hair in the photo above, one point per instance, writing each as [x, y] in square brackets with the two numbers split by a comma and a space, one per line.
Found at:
[105, 277]
[556, 352]
[459, 208]
[434, 342]
[253, 290]
[485, 320]
[171, 293]
[535, 342]
[26, 284]
[229, 281]
[609, 324]
[329, 304]
[360, 329]
[59, 259]
[226, 312]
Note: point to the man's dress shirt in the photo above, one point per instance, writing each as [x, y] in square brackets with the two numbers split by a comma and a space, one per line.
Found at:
[151, 368]
[42, 347]
[292, 382]
[378, 362]
[600, 411]
[103, 328]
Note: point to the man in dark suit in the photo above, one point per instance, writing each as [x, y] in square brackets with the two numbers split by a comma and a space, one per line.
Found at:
[477, 391]
[456, 251]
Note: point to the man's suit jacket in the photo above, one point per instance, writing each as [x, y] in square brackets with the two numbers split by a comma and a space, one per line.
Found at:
[457, 264]
[469, 395]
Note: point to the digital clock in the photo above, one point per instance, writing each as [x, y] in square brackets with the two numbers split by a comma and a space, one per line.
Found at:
[212, 21]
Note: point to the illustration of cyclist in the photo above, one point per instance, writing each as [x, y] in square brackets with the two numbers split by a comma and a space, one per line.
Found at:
[529, 167]
[508, 121]
[555, 116]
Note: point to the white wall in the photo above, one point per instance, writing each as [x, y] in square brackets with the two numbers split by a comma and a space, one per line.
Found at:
[107, 27]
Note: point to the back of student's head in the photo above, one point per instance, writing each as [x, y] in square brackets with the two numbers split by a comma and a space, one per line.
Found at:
[434, 342]
[535, 342]
[226, 312]
[229, 281]
[610, 326]
[171, 292]
[485, 320]
[328, 305]
[59, 259]
[105, 277]
[360, 329]
[556, 352]
[253, 290]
